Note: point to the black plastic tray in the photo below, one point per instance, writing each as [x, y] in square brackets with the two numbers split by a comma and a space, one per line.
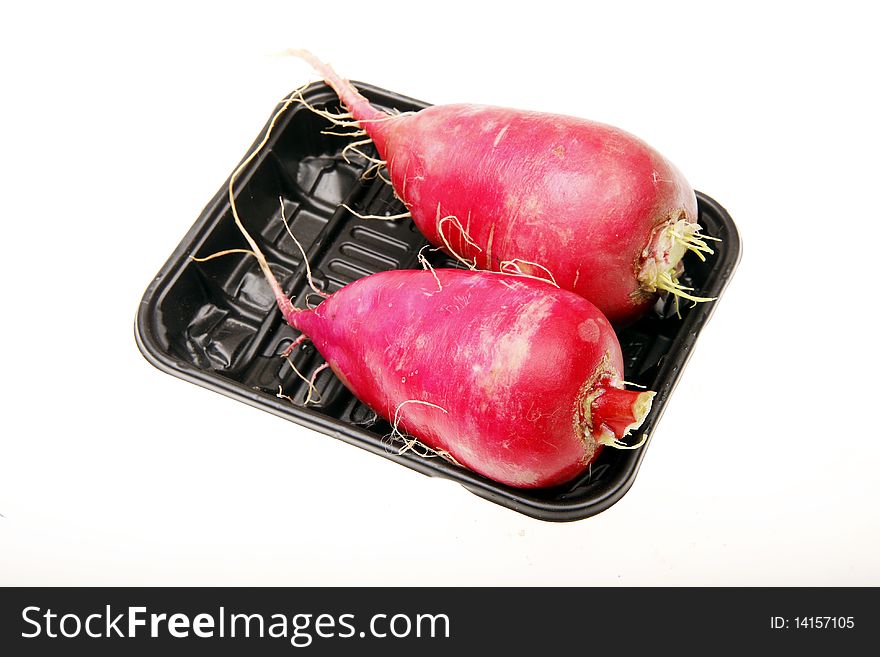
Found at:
[216, 324]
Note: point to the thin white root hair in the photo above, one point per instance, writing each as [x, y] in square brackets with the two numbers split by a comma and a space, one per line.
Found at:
[387, 217]
[280, 394]
[299, 374]
[412, 444]
[222, 253]
[423, 261]
[369, 158]
[666, 282]
[396, 114]
[457, 224]
[346, 120]
[353, 146]
[343, 119]
[618, 444]
[506, 265]
[634, 385]
[375, 171]
[311, 282]
[385, 180]
[464, 236]
[309, 304]
[371, 172]
[394, 429]
[369, 421]
[442, 453]
[355, 133]
[308, 57]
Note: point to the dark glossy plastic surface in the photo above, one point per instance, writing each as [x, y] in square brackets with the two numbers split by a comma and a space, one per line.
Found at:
[216, 324]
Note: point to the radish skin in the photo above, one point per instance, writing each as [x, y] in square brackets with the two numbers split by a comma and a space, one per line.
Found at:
[605, 214]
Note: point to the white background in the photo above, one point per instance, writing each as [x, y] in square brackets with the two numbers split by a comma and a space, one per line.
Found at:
[119, 123]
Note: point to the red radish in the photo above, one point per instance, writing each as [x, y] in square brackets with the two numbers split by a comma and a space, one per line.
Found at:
[600, 211]
[514, 378]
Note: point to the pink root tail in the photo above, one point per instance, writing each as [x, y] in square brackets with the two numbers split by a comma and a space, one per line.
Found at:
[360, 107]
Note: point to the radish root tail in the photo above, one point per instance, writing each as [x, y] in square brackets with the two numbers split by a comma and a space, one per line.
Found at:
[346, 91]
[284, 304]
[361, 114]
[302, 251]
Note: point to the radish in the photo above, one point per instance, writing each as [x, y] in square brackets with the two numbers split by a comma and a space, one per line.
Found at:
[515, 379]
[585, 205]
[509, 376]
